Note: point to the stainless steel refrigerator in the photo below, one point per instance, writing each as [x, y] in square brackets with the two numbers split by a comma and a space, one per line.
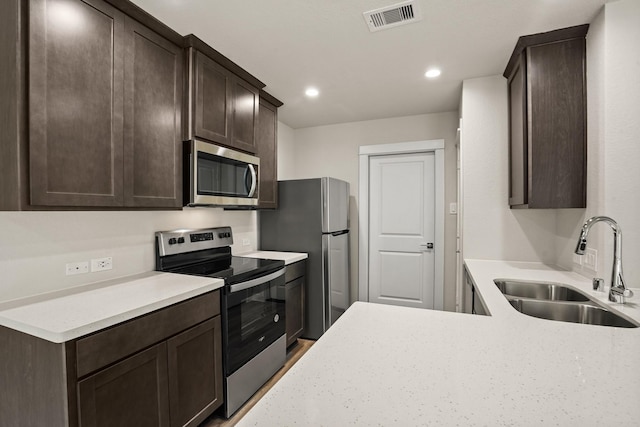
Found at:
[313, 217]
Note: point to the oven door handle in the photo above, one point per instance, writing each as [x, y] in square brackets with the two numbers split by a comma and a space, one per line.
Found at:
[255, 282]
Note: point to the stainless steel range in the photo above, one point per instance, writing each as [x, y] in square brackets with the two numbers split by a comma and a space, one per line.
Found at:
[253, 305]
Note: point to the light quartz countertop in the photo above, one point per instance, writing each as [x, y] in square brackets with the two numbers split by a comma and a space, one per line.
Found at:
[287, 257]
[395, 366]
[68, 314]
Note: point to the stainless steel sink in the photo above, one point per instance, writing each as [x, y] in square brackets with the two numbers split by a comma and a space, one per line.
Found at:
[571, 312]
[539, 290]
[554, 301]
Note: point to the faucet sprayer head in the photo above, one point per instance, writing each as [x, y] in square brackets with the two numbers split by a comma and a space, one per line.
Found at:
[582, 242]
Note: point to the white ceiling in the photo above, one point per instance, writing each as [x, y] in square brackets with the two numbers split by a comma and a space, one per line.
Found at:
[292, 44]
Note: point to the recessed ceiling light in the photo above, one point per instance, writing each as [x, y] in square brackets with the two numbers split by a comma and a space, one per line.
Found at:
[312, 92]
[434, 72]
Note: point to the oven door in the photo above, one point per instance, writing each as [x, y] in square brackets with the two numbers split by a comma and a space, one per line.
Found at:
[255, 317]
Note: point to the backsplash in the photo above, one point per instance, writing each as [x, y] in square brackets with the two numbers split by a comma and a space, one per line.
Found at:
[36, 246]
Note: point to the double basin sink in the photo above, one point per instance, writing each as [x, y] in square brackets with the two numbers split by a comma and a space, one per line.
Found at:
[555, 301]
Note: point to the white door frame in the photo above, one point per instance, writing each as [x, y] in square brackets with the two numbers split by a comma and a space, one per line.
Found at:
[366, 151]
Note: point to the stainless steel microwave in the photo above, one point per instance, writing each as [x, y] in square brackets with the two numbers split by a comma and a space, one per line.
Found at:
[219, 176]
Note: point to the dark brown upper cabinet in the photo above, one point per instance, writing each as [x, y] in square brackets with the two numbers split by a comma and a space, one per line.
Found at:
[547, 120]
[94, 110]
[212, 100]
[76, 78]
[224, 106]
[153, 119]
[267, 150]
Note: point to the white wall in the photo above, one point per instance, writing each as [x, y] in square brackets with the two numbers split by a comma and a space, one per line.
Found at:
[613, 90]
[286, 147]
[490, 229]
[333, 151]
[35, 246]
[622, 128]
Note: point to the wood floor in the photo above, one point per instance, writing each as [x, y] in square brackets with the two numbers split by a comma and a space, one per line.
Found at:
[294, 354]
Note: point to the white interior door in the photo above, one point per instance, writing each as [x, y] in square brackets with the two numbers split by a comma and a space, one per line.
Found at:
[402, 229]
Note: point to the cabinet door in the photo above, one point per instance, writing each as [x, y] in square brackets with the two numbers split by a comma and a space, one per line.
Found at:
[195, 373]
[518, 169]
[152, 124]
[294, 295]
[75, 103]
[245, 115]
[132, 393]
[557, 143]
[212, 109]
[266, 150]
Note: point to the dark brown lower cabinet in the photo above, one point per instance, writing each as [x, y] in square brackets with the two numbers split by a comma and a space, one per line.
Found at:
[294, 296]
[195, 388]
[160, 369]
[131, 393]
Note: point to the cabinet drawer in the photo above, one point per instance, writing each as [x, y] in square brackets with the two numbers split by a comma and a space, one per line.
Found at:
[295, 270]
[108, 346]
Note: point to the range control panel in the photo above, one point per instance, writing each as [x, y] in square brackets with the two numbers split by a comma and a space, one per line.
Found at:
[202, 237]
[182, 241]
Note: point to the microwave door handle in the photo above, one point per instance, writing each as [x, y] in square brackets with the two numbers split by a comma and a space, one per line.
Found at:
[254, 180]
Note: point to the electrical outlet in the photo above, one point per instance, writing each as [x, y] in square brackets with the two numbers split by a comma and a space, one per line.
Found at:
[591, 259]
[101, 264]
[246, 242]
[77, 268]
[577, 259]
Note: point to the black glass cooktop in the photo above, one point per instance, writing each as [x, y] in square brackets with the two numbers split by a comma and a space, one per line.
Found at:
[233, 269]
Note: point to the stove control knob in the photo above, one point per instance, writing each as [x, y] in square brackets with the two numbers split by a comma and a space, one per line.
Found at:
[172, 241]
[180, 239]
[221, 235]
[276, 318]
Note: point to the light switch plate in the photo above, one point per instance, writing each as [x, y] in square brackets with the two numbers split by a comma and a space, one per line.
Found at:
[590, 260]
[577, 259]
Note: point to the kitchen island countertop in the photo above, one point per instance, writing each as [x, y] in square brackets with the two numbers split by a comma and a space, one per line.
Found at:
[71, 313]
[395, 366]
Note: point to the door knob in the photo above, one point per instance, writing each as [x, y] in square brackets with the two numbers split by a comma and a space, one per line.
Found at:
[427, 245]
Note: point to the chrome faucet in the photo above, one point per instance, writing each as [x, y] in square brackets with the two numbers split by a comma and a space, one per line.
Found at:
[618, 291]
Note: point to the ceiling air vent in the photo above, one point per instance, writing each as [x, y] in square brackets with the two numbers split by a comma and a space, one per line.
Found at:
[393, 16]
